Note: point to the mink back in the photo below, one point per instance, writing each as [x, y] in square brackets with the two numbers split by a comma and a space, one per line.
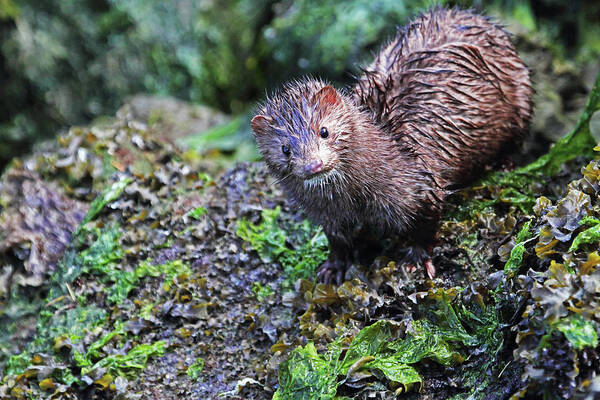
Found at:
[451, 87]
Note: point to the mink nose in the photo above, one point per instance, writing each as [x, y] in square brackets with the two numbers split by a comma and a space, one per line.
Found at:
[313, 167]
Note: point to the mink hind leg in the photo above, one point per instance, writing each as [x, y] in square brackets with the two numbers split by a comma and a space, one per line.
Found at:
[418, 248]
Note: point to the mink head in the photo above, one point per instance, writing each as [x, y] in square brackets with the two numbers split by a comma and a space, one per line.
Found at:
[303, 131]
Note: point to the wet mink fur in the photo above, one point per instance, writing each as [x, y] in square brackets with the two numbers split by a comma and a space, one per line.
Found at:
[440, 102]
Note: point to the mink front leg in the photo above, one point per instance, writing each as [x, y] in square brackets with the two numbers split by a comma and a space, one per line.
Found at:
[340, 258]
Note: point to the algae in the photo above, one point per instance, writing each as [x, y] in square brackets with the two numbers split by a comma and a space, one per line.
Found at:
[194, 371]
[580, 331]
[579, 142]
[378, 349]
[262, 291]
[299, 248]
[63, 326]
[515, 259]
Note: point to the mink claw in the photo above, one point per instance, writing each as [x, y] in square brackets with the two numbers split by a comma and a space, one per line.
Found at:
[430, 268]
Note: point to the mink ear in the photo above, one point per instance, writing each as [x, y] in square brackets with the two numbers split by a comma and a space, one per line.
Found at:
[260, 123]
[328, 95]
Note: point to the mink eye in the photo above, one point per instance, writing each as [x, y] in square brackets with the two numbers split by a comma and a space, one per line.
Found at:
[285, 149]
[324, 133]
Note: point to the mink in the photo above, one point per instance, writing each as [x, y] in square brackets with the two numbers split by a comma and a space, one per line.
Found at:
[441, 102]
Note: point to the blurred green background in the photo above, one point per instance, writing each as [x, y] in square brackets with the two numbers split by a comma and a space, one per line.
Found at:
[66, 62]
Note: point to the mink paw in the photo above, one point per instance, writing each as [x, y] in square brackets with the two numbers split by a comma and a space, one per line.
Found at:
[417, 256]
[429, 267]
[332, 272]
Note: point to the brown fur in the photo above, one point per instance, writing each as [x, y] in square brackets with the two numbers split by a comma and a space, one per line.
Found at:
[441, 101]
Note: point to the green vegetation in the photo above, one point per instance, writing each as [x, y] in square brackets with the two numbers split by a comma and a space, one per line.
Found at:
[197, 212]
[590, 235]
[579, 142]
[451, 327]
[194, 371]
[579, 331]
[516, 254]
[124, 281]
[298, 247]
[109, 195]
[262, 291]
[232, 140]
[126, 364]
[61, 329]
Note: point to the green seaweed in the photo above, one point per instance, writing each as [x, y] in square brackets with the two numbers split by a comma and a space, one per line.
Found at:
[515, 259]
[197, 212]
[56, 325]
[103, 251]
[426, 341]
[307, 375]
[72, 322]
[262, 291]
[127, 364]
[590, 235]
[579, 331]
[377, 349]
[309, 246]
[124, 280]
[505, 187]
[195, 369]
[579, 142]
[108, 195]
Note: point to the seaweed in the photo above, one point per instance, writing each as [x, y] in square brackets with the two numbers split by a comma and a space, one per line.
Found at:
[560, 322]
[379, 350]
[194, 371]
[262, 291]
[590, 235]
[197, 212]
[513, 264]
[579, 331]
[299, 248]
[63, 326]
[134, 359]
[579, 142]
